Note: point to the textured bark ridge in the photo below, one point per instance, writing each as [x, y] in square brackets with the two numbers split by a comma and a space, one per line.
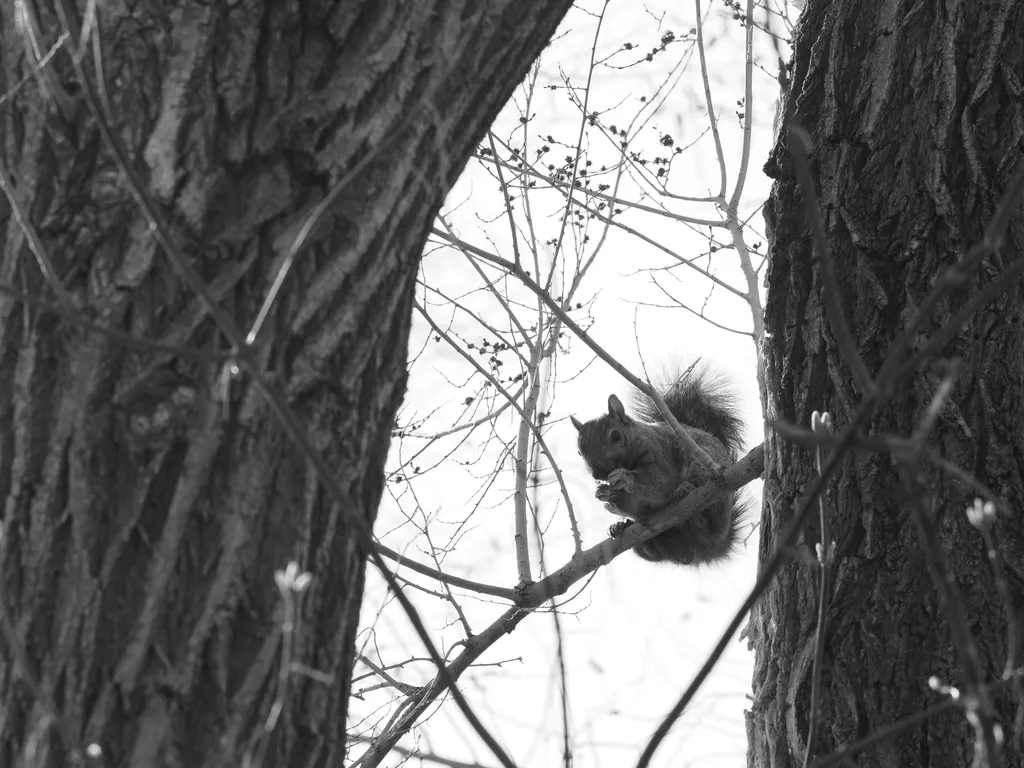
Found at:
[917, 119]
[147, 499]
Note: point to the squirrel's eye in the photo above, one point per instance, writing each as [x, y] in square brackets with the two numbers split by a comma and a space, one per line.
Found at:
[615, 437]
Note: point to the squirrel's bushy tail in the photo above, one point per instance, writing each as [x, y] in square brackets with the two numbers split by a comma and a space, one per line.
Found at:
[701, 398]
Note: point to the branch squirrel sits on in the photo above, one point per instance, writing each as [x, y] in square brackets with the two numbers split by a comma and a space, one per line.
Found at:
[642, 466]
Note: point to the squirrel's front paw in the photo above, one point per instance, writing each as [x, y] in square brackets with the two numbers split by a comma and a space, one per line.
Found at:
[616, 529]
[621, 480]
[681, 493]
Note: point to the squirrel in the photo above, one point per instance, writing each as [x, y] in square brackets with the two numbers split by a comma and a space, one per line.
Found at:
[642, 466]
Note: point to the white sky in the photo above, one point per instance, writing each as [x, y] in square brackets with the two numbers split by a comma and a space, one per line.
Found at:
[637, 632]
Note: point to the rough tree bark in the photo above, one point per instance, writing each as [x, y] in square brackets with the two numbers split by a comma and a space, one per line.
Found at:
[917, 118]
[146, 504]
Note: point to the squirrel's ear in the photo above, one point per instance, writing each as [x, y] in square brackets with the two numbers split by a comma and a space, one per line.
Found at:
[576, 423]
[615, 407]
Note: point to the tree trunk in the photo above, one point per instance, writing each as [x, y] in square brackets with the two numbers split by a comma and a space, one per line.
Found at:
[916, 119]
[148, 497]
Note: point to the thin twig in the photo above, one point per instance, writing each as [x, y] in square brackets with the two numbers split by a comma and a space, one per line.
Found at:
[34, 241]
[72, 315]
[34, 70]
[748, 99]
[951, 604]
[712, 118]
[826, 550]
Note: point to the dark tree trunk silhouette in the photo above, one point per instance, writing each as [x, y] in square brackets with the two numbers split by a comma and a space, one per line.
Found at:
[148, 499]
[916, 117]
